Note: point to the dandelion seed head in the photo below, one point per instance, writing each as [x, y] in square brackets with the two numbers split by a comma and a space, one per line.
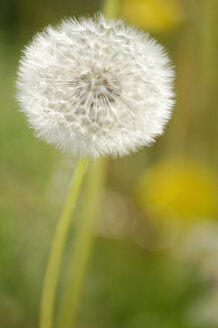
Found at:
[95, 87]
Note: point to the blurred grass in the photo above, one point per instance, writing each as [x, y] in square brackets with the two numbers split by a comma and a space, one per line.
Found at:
[127, 286]
[131, 287]
[25, 167]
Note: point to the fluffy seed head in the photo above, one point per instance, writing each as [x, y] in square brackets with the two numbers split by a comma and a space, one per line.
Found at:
[93, 87]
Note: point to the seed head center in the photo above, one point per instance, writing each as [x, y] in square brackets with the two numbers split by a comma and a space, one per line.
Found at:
[100, 85]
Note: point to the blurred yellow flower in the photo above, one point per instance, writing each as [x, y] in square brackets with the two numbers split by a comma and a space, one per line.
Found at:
[153, 15]
[186, 189]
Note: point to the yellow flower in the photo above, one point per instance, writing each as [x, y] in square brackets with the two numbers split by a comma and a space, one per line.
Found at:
[185, 189]
[153, 15]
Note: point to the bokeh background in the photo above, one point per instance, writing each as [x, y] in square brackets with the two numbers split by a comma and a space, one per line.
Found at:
[155, 257]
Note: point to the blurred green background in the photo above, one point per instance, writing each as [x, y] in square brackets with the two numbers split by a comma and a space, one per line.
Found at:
[155, 258]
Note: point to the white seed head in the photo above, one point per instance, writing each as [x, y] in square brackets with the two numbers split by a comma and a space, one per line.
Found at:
[95, 87]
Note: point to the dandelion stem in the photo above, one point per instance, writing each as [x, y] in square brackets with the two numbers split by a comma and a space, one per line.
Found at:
[111, 8]
[82, 244]
[51, 275]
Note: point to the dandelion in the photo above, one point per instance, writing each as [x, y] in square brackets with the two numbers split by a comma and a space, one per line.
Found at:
[95, 87]
[91, 87]
[153, 15]
[186, 189]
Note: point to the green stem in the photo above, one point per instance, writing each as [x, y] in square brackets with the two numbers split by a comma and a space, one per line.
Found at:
[51, 275]
[110, 8]
[82, 245]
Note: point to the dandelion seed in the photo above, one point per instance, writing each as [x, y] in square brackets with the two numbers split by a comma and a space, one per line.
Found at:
[95, 87]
